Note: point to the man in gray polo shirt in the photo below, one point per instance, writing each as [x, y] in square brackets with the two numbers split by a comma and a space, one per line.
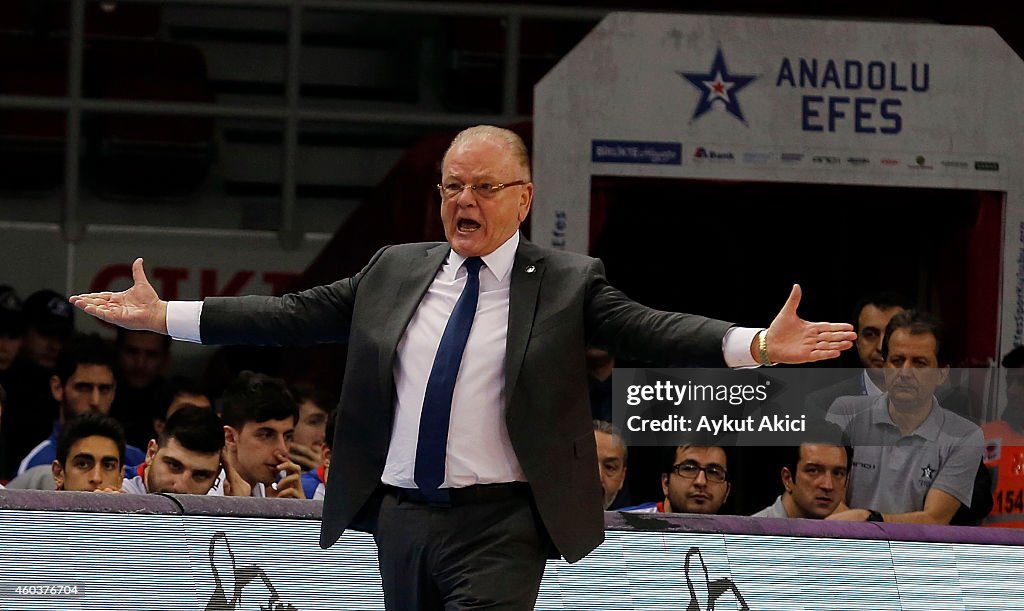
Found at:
[914, 461]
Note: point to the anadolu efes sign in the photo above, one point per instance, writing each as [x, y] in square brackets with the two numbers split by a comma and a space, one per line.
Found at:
[794, 101]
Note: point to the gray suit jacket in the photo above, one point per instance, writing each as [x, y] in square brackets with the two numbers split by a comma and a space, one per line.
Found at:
[559, 302]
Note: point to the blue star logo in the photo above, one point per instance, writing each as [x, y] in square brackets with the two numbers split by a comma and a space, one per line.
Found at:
[717, 85]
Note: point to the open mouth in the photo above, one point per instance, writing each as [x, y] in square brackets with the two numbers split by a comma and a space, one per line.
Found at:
[467, 225]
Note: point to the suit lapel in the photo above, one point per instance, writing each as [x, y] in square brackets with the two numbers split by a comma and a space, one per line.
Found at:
[420, 272]
[527, 273]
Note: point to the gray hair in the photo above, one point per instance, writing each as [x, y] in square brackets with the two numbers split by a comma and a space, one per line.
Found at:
[602, 426]
[516, 146]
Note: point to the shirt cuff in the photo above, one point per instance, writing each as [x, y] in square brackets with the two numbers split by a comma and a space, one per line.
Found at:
[735, 346]
[183, 320]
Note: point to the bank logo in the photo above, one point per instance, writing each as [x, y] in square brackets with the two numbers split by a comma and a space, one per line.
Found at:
[705, 154]
[718, 85]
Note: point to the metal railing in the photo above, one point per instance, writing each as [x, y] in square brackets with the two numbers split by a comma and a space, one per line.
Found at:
[290, 113]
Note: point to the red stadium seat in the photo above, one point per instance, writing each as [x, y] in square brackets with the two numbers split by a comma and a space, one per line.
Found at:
[148, 156]
[32, 141]
[121, 20]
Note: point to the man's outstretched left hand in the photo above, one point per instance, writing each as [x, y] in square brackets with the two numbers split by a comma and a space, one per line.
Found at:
[792, 339]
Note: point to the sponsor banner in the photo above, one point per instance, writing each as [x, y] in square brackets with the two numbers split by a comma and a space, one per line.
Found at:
[919, 163]
[625, 151]
[827, 160]
[756, 96]
[758, 157]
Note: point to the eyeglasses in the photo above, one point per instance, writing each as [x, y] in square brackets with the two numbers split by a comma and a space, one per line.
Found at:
[484, 190]
[690, 469]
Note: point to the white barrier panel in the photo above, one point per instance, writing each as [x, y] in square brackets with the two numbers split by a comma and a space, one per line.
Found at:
[101, 561]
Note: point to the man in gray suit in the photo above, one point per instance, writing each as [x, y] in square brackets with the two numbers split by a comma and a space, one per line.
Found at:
[464, 441]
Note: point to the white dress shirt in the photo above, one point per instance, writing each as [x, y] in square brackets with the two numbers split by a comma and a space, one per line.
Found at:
[479, 449]
[870, 388]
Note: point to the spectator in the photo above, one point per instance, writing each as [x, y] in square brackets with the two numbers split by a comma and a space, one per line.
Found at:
[185, 456]
[49, 322]
[695, 480]
[916, 461]
[142, 359]
[814, 482]
[174, 394]
[870, 317]
[1004, 448]
[259, 415]
[12, 328]
[90, 455]
[311, 429]
[314, 482]
[3, 397]
[611, 460]
[83, 383]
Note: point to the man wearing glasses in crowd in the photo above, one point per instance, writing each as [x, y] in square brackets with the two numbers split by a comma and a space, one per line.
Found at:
[696, 480]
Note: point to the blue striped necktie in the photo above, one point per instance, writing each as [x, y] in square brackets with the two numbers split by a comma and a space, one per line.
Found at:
[432, 446]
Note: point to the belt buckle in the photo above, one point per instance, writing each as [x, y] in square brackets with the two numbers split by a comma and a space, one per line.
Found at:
[438, 497]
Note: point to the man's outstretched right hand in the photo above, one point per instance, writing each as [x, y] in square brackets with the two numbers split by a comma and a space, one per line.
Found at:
[136, 308]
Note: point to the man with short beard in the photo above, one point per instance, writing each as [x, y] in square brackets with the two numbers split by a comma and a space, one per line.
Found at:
[870, 317]
[814, 482]
[696, 480]
[82, 383]
[185, 456]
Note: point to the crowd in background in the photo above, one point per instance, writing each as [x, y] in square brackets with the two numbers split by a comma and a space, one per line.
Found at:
[83, 413]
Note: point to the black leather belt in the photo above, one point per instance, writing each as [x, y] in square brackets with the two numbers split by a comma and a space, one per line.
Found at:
[448, 497]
